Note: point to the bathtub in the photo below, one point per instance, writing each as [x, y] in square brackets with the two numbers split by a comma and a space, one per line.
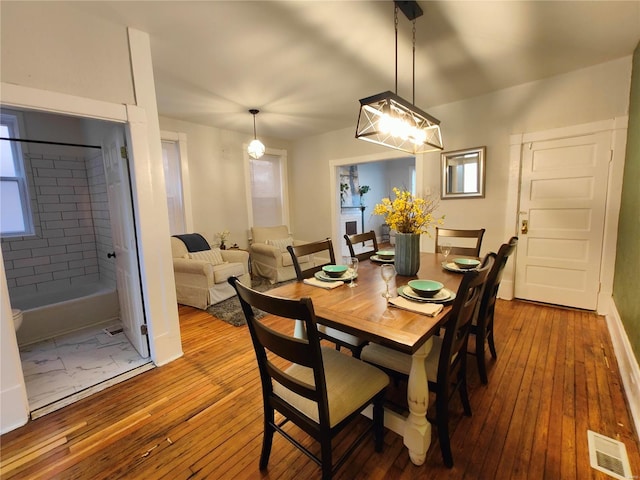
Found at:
[46, 315]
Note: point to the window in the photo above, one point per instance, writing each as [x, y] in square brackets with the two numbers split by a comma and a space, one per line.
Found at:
[173, 184]
[15, 211]
[267, 190]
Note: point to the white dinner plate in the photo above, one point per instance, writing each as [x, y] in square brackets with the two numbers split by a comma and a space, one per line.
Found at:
[443, 296]
[452, 267]
[345, 277]
[376, 258]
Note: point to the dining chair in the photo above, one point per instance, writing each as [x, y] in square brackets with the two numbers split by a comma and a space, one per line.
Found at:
[339, 338]
[311, 249]
[446, 363]
[482, 327]
[362, 238]
[321, 391]
[464, 247]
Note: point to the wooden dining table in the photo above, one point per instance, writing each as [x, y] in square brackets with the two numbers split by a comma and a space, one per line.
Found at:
[364, 312]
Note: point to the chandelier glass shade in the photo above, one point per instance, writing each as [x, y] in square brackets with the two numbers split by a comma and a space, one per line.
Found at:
[256, 148]
[388, 119]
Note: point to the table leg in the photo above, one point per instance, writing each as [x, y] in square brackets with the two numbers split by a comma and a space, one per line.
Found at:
[417, 430]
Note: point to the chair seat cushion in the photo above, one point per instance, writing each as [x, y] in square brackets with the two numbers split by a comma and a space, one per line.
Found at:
[225, 270]
[350, 383]
[401, 362]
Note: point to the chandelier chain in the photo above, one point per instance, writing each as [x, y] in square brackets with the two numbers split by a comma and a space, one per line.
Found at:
[395, 21]
[414, 62]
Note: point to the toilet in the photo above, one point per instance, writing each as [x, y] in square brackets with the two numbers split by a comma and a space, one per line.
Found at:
[17, 318]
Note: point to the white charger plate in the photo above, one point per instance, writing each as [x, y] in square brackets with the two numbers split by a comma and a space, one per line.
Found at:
[345, 277]
[452, 267]
[443, 296]
[376, 258]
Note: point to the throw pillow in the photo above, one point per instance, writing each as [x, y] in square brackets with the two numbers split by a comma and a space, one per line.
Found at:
[212, 256]
[280, 243]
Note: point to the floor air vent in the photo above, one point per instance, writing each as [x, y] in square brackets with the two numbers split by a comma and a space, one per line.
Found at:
[114, 330]
[608, 456]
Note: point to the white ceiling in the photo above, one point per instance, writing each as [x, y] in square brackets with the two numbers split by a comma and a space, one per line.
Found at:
[305, 64]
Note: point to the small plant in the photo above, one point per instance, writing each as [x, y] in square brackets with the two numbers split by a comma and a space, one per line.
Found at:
[343, 191]
[222, 237]
[362, 189]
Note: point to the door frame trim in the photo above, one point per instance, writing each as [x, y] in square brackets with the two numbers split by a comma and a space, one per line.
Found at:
[618, 128]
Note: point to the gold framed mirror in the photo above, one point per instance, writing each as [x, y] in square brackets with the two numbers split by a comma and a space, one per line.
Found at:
[463, 173]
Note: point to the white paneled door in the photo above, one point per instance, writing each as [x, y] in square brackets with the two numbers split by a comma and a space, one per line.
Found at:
[561, 217]
[125, 254]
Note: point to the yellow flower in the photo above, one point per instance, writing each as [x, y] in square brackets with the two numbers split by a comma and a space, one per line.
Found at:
[407, 213]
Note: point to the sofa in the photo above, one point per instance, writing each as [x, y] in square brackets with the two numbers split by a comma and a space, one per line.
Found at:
[269, 256]
[201, 276]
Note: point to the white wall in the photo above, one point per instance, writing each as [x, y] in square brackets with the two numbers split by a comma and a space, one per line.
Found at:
[52, 46]
[216, 174]
[592, 94]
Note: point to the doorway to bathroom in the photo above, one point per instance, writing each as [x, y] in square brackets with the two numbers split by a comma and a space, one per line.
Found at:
[68, 274]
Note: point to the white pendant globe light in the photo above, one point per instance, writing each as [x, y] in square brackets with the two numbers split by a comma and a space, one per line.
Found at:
[256, 147]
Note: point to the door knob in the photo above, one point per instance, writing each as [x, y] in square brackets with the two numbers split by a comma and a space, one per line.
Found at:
[524, 228]
[111, 255]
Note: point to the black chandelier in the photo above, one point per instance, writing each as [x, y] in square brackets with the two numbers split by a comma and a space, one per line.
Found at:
[388, 119]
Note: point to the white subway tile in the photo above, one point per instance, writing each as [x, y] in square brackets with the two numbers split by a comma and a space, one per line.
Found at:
[33, 279]
[30, 262]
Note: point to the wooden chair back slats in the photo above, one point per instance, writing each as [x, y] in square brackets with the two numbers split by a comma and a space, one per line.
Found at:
[452, 364]
[487, 304]
[483, 327]
[448, 233]
[362, 238]
[297, 251]
[463, 312]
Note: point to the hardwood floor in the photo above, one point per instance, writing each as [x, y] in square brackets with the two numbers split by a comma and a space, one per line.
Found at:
[201, 415]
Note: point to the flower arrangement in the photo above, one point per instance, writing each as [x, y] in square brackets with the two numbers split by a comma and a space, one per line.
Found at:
[222, 237]
[407, 213]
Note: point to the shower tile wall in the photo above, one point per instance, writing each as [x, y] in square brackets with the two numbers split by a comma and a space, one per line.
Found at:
[71, 220]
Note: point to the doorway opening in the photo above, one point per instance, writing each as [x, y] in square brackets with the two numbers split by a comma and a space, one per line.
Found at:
[354, 211]
[62, 277]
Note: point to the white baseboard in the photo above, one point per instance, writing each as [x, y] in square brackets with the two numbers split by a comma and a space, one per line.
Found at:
[627, 362]
[506, 289]
[14, 408]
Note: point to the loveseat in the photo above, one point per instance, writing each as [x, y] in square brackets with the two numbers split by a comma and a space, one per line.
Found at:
[269, 256]
[201, 276]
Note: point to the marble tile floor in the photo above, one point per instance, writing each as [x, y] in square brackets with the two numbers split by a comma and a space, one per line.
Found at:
[63, 367]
